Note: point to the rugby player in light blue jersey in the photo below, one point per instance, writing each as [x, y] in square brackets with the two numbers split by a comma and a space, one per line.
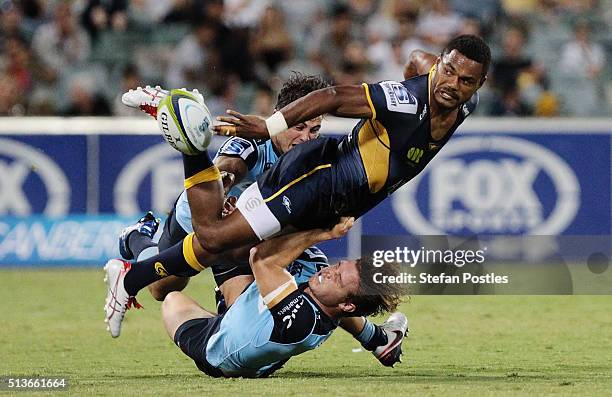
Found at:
[278, 316]
[243, 160]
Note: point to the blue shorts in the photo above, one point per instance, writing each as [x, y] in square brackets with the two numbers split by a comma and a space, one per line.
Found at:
[192, 338]
[296, 191]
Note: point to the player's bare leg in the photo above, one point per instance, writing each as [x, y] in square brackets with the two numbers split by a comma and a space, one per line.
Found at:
[178, 308]
[214, 233]
[163, 287]
[232, 288]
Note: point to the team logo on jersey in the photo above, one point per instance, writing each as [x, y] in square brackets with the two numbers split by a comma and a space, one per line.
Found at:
[399, 99]
[491, 185]
[23, 170]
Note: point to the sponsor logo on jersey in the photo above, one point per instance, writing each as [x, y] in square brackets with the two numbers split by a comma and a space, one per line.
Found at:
[296, 304]
[399, 99]
[423, 113]
[237, 146]
[491, 185]
[21, 168]
[252, 203]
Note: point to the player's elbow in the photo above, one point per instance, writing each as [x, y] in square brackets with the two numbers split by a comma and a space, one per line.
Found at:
[257, 260]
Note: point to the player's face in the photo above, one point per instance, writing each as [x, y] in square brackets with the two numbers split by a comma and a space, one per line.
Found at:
[298, 134]
[457, 79]
[332, 285]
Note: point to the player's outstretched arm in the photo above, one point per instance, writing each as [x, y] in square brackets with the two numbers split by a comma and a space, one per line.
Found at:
[270, 258]
[419, 62]
[342, 101]
[233, 170]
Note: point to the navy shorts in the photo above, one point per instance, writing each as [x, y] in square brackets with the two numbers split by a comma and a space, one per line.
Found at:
[192, 338]
[172, 233]
[298, 189]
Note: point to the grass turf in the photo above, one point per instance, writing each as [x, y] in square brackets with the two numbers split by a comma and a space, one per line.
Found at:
[482, 345]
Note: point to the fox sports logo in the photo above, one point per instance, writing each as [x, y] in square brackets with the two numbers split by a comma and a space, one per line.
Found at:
[490, 185]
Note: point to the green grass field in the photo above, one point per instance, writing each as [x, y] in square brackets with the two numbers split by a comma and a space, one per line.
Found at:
[52, 324]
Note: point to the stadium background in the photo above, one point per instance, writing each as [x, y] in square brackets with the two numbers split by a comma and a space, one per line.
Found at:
[69, 179]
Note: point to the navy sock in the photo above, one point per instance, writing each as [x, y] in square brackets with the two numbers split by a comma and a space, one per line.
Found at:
[168, 262]
[139, 242]
[194, 164]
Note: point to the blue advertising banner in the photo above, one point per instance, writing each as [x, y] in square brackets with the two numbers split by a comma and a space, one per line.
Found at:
[69, 241]
[486, 182]
[43, 175]
[506, 184]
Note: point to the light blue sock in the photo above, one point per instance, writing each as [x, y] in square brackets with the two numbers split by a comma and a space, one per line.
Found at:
[147, 253]
[366, 333]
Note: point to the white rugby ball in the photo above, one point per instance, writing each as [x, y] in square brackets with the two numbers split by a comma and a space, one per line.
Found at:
[184, 122]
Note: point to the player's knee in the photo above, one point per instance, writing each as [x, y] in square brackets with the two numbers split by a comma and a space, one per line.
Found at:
[160, 289]
[157, 293]
[171, 302]
[209, 238]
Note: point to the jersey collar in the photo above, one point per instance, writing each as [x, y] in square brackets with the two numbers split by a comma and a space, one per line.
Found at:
[326, 323]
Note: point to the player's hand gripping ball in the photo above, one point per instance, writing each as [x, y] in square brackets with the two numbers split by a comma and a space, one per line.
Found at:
[185, 123]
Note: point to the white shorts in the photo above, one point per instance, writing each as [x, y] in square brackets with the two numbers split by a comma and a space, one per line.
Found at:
[256, 212]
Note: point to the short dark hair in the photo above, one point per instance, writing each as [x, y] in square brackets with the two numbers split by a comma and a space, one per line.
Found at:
[374, 297]
[472, 47]
[297, 86]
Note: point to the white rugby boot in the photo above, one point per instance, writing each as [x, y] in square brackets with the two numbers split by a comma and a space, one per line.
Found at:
[118, 301]
[396, 327]
[147, 99]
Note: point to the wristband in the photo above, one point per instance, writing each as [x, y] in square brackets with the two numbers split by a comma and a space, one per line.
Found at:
[276, 124]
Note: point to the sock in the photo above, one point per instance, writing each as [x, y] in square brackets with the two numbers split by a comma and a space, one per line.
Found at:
[194, 164]
[372, 336]
[147, 253]
[178, 260]
[199, 169]
[139, 242]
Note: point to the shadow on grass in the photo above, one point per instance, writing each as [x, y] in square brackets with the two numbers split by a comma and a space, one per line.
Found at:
[393, 375]
[412, 377]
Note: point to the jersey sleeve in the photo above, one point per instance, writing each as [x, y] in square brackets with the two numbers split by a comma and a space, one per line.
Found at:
[391, 101]
[294, 318]
[240, 147]
[470, 106]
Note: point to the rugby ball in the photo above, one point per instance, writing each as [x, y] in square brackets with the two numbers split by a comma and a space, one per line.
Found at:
[185, 122]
